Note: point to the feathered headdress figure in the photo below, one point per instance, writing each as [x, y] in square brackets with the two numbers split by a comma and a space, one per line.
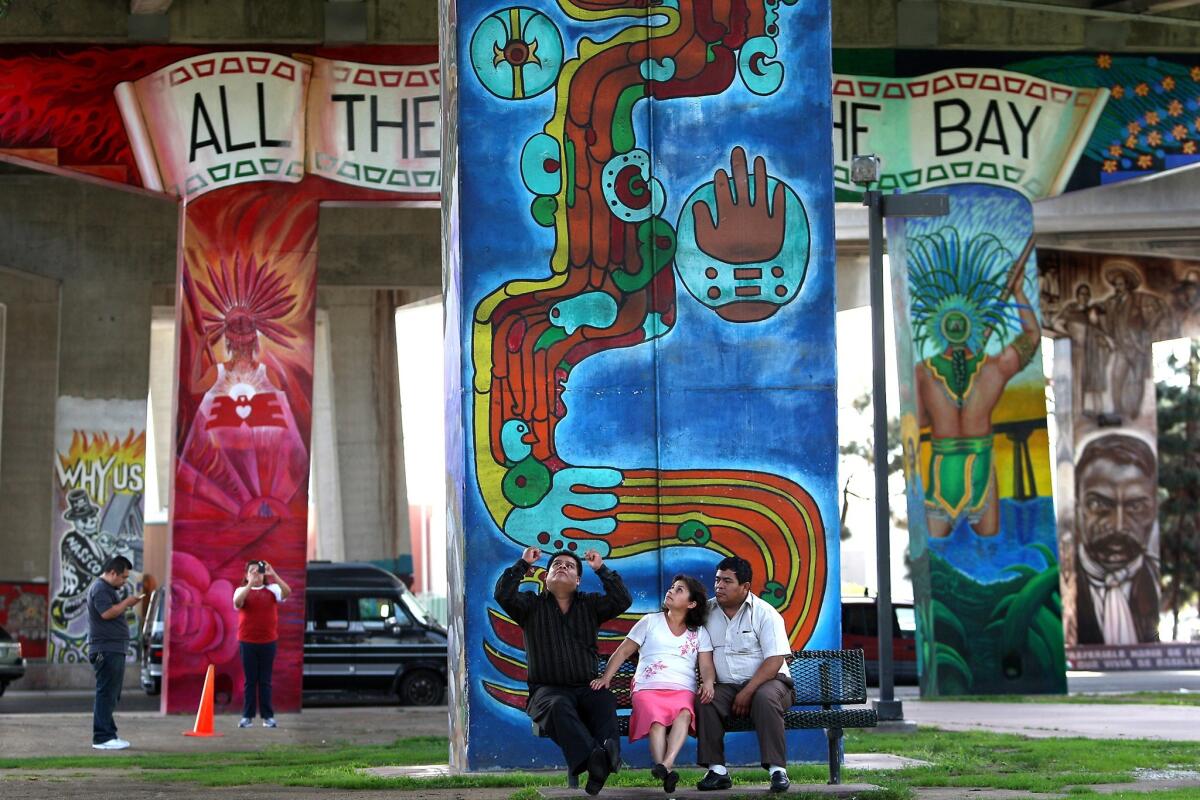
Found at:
[959, 289]
[245, 300]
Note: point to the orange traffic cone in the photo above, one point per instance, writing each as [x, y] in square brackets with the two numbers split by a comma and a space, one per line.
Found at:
[204, 714]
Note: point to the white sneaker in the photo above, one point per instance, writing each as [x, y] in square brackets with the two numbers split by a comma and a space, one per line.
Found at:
[111, 744]
[245, 722]
[269, 722]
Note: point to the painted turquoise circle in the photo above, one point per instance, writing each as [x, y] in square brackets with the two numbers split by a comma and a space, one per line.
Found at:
[695, 266]
[517, 53]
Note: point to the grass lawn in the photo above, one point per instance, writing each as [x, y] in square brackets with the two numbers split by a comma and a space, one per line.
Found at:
[1143, 698]
[967, 759]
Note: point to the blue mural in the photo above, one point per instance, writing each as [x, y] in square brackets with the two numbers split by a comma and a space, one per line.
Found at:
[640, 248]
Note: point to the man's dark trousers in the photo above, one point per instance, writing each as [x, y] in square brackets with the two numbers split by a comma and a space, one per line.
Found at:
[577, 719]
[766, 711]
[110, 674]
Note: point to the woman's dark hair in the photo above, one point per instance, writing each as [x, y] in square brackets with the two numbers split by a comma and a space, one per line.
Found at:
[695, 618]
[256, 564]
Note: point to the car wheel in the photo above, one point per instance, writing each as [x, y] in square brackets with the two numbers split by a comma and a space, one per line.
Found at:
[3, 686]
[156, 688]
[421, 688]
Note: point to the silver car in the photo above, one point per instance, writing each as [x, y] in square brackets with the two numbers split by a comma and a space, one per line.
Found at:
[12, 662]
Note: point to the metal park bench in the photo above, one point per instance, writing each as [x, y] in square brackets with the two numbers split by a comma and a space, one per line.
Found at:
[823, 681]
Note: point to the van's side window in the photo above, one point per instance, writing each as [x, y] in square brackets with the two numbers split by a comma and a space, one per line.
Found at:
[859, 619]
[377, 612]
[329, 614]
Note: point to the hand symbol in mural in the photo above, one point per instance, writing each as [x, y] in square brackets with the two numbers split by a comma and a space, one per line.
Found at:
[747, 230]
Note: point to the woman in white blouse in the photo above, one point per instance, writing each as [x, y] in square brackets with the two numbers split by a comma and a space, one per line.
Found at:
[671, 644]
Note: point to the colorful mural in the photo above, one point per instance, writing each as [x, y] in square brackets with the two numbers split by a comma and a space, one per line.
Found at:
[1109, 310]
[99, 481]
[23, 609]
[647, 367]
[250, 143]
[973, 420]
[1151, 120]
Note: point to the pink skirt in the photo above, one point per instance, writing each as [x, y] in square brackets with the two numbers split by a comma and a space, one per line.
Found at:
[661, 706]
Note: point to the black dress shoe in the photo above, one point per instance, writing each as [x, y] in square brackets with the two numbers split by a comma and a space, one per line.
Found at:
[712, 781]
[670, 782]
[612, 748]
[779, 781]
[598, 768]
[658, 772]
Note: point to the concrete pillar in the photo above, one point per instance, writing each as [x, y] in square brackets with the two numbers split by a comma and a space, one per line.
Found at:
[366, 406]
[326, 490]
[30, 356]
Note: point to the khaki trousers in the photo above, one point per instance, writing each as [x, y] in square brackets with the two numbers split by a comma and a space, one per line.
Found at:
[766, 711]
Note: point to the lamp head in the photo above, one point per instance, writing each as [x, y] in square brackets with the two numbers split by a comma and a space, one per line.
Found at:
[864, 170]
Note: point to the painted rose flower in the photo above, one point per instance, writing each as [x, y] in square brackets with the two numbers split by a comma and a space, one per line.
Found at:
[203, 619]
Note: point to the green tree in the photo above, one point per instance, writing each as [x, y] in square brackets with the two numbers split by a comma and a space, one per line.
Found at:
[865, 450]
[1179, 484]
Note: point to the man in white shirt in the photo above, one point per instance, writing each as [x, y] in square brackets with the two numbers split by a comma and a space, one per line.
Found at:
[750, 647]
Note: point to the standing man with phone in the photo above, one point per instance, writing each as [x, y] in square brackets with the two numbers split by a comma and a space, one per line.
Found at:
[108, 641]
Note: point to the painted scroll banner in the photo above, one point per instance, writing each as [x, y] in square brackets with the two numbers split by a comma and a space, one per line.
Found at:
[99, 464]
[976, 451]
[375, 127]
[221, 119]
[964, 125]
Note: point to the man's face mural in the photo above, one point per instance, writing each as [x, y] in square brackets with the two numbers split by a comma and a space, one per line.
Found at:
[1116, 508]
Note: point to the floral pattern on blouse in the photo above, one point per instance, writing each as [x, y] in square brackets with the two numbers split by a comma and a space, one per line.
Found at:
[650, 670]
[691, 644]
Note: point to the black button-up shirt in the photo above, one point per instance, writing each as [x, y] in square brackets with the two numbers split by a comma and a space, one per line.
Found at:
[561, 648]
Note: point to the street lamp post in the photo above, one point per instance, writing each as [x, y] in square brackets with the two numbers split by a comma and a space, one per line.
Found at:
[864, 171]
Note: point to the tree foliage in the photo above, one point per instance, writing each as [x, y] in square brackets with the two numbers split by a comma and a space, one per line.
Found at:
[1179, 484]
[865, 450]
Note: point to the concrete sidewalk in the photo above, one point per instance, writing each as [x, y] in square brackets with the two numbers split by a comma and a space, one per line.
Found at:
[1041, 720]
[28, 735]
[32, 735]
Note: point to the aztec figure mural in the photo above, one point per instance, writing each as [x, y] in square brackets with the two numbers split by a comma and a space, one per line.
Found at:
[249, 144]
[1109, 310]
[645, 368]
[981, 518]
[99, 482]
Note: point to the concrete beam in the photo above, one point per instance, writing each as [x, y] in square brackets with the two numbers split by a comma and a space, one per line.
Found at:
[149, 6]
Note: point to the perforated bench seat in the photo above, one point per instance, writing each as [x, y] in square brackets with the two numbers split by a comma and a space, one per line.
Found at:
[827, 679]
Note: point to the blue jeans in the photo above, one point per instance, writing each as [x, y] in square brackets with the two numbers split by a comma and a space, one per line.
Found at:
[258, 660]
[110, 674]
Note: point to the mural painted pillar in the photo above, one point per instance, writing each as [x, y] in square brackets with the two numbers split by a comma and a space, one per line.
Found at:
[1108, 311]
[972, 392]
[99, 487]
[640, 313]
[246, 316]
[973, 420]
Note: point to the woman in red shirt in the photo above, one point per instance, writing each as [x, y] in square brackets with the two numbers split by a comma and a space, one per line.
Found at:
[257, 601]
